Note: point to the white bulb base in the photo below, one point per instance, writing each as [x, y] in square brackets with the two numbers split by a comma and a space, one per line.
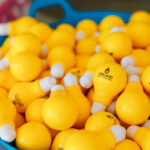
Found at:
[146, 124]
[131, 131]
[4, 63]
[112, 108]
[57, 87]
[127, 61]
[97, 48]
[133, 78]
[97, 107]
[116, 29]
[70, 79]
[4, 29]
[131, 70]
[79, 35]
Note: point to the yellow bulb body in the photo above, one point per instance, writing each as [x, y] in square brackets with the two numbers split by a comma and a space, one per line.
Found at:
[126, 145]
[60, 111]
[21, 25]
[90, 95]
[87, 26]
[86, 46]
[109, 80]
[26, 67]
[61, 138]
[66, 27]
[140, 16]
[133, 105]
[60, 37]
[3, 93]
[62, 55]
[118, 45]
[90, 140]
[34, 110]
[139, 34]
[141, 57]
[142, 137]
[101, 121]
[33, 135]
[23, 43]
[82, 102]
[41, 30]
[7, 81]
[110, 22]
[23, 93]
[19, 120]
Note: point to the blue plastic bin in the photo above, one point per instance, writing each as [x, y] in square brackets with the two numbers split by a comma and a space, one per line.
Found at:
[72, 17]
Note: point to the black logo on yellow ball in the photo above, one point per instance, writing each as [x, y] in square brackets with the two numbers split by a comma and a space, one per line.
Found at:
[17, 101]
[106, 74]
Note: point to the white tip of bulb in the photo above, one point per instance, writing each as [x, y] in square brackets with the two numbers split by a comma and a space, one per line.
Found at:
[47, 83]
[44, 51]
[127, 61]
[86, 81]
[7, 133]
[70, 79]
[97, 48]
[131, 131]
[4, 29]
[4, 64]
[133, 78]
[57, 71]
[131, 70]
[112, 108]
[96, 107]
[146, 124]
[96, 34]
[119, 133]
[116, 29]
[79, 35]
[57, 87]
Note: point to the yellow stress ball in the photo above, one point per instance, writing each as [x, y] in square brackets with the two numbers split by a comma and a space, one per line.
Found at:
[140, 16]
[101, 121]
[33, 136]
[133, 105]
[34, 110]
[127, 145]
[145, 78]
[110, 22]
[139, 34]
[60, 37]
[26, 67]
[60, 111]
[118, 45]
[3, 93]
[61, 138]
[86, 46]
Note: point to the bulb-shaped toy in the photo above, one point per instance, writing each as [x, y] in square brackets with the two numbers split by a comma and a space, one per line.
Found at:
[7, 117]
[26, 67]
[24, 92]
[101, 121]
[60, 112]
[140, 16]
[18, 26]
[141, 135]
[109, 80]
[72, 87]
[127, 145]
[61, 138]
[60, 59]
[86, 46]
[33, 135]
[3, 93]
[7, 81]
[118, 44]
[19, 120]
[93, 140]
[60, 38]
[133, 106]
[85, 28]
[86, 81]
[109, 22]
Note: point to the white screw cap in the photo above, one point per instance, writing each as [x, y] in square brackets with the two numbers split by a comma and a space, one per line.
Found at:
[70, 79]
[112, 108]
[4, 63]
[86, 81]
[47, 83]
[57, 71]
[96, 107]
[127, 61]
[97, 48]
[130, 70]
[146, 124]
[57, 87]
[134, 77]
[7, 133]
[131, 131]
[79, 35]
[4, 29]
[116, 29]
[119, 133]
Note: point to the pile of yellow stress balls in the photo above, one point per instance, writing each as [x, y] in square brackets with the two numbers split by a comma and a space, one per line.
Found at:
[82, 88]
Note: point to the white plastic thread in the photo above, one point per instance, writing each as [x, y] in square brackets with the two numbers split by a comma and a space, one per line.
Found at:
[4, 63]
[79, 35]
[97, 107]
[131, 131]
[47, 83]
[116, 29]
[112, 108]
[127, 61]
[132, 70]
[86, 81]
[57, 71]
[70, 79]
[57, 87]
[134, 77]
